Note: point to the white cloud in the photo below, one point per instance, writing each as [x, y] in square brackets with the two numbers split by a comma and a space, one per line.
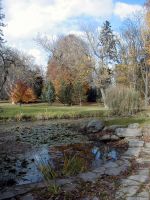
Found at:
[26, 17]
[38, 55]
[124, 10]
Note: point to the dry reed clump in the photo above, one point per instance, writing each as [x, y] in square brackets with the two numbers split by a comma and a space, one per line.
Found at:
[122, 100]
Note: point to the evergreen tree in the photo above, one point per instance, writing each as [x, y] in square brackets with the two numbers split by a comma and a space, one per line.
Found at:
[38, 85]
[107, 43]
[49, 93]
[66, 93]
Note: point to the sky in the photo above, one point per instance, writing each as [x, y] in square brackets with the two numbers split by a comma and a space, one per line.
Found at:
[25, 19]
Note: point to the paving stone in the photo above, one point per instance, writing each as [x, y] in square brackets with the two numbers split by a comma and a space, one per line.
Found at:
[136, 143]
[144, 195]
[113, 127]
[100, 170]
[105, 137]
[131, 198]
[143, 160]
[146, 151]
[134, 125]
[27, 197]
[6, 195]
[69, 187]
[95, 198]
[88, 176]
[127, 191]
[110, 164]
[120, 195]
[139, 178]
[128, 132]
[114, 137]
[147, 144]
[136, 198]
[113, 171]
[129, 182]
[64, 181]
[135, 151]
[144, 171]
[126, 157]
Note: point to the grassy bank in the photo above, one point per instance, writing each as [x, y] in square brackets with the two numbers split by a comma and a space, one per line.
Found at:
[43, 111]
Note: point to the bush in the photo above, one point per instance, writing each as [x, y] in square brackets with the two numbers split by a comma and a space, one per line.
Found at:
[122, 100]
[21, 93]
[73, 165]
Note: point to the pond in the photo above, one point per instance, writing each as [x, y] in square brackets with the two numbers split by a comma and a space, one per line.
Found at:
[62, 160]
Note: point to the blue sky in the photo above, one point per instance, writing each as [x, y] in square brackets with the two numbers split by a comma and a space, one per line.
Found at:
[26, 18]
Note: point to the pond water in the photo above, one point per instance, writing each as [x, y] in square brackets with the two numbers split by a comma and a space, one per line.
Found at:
[93, 154]
[25, 170]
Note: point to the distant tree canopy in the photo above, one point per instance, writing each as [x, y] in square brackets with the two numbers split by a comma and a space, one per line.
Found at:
[83, 68]
[70, 63]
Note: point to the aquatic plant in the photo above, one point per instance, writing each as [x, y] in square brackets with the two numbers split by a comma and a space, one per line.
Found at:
[47, 172]
[54, 189]
[73, 165]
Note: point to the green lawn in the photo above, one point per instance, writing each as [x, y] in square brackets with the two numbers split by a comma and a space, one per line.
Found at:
[41, 111]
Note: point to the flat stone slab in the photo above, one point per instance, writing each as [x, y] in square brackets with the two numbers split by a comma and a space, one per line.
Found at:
[64, 181]
[133, 152]
[143, 195]
[135, 125]
[69, 187]
[105, 137]
[135, 143]
[140, 196]
[88, 176]
[143, 160]
[128, 132]
[113, 127]
[129, 182]
[113, 171]
[137, 198]
[100, 170]
[147, 144]
[139, 178]
[27, 197]
[126, 192]
[146, 151]
[145, 171]
[110, 164]
[109, 137]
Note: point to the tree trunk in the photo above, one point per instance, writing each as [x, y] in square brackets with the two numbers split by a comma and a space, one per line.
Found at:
[146, 90]
[103, 96]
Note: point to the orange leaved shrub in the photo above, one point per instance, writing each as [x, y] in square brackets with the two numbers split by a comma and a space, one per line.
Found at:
[22, 93]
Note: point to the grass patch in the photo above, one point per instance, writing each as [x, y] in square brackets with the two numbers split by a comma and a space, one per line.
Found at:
[42, 111]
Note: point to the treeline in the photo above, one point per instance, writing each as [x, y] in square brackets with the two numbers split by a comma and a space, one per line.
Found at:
[84, 68]
[101, 59]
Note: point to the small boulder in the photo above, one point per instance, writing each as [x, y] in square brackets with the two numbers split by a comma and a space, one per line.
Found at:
[135, 125]
[113, 127]
[94, 126]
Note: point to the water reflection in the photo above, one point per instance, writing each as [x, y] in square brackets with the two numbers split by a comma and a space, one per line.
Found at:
[94, 154]
[102, 156]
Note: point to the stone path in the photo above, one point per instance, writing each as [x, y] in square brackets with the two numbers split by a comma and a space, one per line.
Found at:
[134, 187]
